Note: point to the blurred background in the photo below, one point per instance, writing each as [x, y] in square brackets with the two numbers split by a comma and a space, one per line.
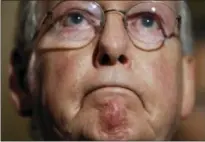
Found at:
[14, 127]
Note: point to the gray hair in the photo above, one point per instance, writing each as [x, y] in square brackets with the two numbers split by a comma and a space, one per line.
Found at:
[186, 34]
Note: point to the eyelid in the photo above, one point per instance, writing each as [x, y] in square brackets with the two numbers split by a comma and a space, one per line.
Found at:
[83, 12]
[158, 18]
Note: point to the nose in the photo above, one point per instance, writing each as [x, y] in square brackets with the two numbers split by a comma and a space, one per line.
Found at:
[113, 43]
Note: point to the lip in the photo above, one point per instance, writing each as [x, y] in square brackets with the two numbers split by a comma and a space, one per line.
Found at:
[121, 83]
[114, 86]
[114, 77]
[110, 86]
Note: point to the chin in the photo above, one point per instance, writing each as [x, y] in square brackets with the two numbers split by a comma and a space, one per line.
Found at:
[99, 132]
[93, 125]
[109, 114]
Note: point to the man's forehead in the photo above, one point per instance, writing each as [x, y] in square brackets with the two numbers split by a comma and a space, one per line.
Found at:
[119, 4]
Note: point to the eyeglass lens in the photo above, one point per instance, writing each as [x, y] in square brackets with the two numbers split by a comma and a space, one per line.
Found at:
[76, 23]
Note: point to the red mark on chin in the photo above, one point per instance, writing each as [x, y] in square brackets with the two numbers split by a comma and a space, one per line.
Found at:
[113, 115]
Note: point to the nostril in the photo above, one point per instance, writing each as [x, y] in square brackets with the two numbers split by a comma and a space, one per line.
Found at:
[123, 59]
[105, 60]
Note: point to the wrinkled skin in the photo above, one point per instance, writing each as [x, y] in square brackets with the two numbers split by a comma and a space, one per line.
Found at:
[136, 97]
[148, 108]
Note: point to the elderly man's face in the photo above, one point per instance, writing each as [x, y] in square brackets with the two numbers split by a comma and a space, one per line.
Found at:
[113, 88]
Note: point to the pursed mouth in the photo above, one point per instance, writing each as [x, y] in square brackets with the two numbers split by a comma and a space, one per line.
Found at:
[114, 87]
[119, 89]
[100, 95]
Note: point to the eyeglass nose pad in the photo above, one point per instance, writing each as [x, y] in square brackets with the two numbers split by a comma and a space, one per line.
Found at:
[47, 18]
[179, 22]
[125, 22]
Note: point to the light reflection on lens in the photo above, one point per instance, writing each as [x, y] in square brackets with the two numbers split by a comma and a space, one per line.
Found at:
[76, 24]
[147, 24]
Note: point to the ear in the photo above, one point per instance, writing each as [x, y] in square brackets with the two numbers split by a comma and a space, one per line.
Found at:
[21, 100]
[188, 96]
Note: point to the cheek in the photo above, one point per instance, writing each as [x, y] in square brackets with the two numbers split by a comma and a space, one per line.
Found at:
[59, 72]
[164, 74]
[61, 67]
[163, 77]
[167, 75]
[63, 70]
[162, 82]
[62, 86]
[162, 95]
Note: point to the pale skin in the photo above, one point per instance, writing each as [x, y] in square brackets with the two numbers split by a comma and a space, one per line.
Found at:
[140, 96]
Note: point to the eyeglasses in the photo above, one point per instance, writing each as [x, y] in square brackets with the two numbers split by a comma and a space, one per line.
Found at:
[75, 24]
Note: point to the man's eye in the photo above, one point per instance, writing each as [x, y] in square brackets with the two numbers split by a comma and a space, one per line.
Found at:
[145, 23]
[148, 21]
[74, 19]
[146, 27]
